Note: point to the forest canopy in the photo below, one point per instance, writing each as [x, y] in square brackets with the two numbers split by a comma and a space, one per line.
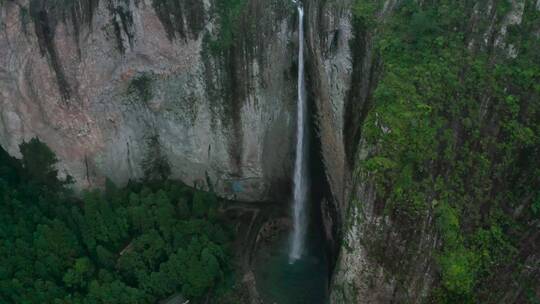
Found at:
[140, 244]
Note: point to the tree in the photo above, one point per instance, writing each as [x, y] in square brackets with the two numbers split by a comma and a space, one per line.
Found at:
[155, 165]
[39, 162]
[202, 202]
[78, 275]
[105, 258]
[56, 249]
[182, 208]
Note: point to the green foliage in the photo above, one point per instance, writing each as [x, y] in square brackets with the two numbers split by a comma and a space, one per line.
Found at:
[38, 161]
[203, 202]
[365, 12]
[228, 12]
[535, 206]
[464, 261]
[78, 276]
[24, 14]
[132, 245]
[461, 128]
[456, 262]
[141, 87]
[10, 168]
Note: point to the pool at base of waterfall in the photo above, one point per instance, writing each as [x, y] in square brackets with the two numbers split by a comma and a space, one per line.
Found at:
[304, 281]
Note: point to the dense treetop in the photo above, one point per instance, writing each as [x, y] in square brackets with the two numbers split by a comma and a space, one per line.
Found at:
[140, 244]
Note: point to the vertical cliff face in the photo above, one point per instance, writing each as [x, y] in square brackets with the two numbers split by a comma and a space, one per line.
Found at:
[329, 75]
[396, 243]
[117, 88]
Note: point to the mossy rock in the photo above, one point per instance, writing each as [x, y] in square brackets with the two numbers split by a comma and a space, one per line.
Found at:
[141, 86]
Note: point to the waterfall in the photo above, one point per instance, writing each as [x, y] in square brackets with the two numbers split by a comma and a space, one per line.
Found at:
[300, 165]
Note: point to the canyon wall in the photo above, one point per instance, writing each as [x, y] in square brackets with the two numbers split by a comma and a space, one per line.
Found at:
[384, 256]
[117, 88]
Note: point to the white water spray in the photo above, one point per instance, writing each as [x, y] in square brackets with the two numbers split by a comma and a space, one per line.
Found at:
[300, 168]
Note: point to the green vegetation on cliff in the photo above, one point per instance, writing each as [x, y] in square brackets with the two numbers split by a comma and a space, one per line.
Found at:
[140, 87]
[140, 244]
[228, 12]
[454, 131]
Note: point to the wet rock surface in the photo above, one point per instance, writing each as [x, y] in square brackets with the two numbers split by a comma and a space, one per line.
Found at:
[220, 116]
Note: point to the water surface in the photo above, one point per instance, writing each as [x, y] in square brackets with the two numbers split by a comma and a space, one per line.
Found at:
[303, 282]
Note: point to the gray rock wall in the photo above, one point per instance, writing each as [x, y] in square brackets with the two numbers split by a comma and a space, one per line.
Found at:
[73, 79]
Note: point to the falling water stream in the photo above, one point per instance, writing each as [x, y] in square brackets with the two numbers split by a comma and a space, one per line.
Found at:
[293, 268]
[301, 181]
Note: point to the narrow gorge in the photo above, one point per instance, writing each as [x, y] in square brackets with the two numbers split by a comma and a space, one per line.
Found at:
[319, 151]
